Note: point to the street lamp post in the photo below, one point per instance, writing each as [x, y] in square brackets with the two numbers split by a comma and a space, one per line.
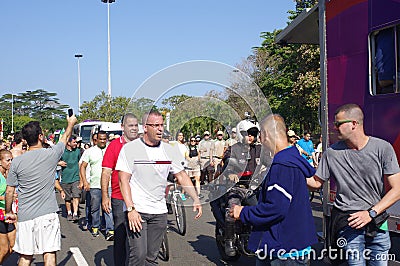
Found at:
[109, 49]
[12, 113]
[79, 56]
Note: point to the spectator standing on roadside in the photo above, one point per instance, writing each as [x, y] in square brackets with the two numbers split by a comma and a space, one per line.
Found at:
[70, 180]
[20, 145]
[361, 165]
[130, 128]
[144, 165]
[283, 226]
[34, 173]
[308, 146]
[94, 157]
[206, 164]
[217, 151]
[7, 230]
[232, 139]
[193, 158]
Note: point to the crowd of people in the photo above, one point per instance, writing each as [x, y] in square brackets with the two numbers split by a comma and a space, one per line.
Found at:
[133, 211]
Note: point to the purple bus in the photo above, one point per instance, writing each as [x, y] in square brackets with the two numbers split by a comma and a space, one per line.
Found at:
[360, 63]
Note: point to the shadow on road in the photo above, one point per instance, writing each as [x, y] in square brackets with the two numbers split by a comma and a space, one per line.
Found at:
[206, 246]
[104, 257]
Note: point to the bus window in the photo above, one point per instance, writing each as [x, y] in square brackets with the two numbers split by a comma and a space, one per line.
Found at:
[86, 133]
[385, 61]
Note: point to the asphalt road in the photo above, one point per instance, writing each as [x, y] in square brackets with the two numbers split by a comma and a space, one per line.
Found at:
[197, 247]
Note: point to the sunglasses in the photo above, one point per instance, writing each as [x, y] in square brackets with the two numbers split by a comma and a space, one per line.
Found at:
[192, 140]
[341, 122]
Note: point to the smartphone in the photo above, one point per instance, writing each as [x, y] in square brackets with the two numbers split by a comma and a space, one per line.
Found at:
[70, 112]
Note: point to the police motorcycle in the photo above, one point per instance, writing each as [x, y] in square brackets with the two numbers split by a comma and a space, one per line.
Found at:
[238, 185]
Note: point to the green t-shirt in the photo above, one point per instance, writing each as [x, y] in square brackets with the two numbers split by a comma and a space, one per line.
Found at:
[3, 186]
[70, 173]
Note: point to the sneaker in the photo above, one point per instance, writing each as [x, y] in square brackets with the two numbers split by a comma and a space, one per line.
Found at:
[183, 197]
[95, 232]
[69, 217]
[201, 196]
[110, 235]
[85, 227]
[75, 218]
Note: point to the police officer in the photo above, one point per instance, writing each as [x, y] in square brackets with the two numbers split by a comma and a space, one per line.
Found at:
[246, 154]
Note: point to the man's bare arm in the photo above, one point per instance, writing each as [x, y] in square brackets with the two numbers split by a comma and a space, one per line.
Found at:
[9, 198]
[124, 179]
[392, 196]
[184, 180]
[105, 180]
[68, 131]
[314, 182]
[82, 175]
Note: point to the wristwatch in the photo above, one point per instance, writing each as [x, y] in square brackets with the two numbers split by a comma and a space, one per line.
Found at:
[372, 213]
[130, 208]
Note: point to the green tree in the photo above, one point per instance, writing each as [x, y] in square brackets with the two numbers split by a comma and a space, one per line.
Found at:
[108, 109]
[39, 105]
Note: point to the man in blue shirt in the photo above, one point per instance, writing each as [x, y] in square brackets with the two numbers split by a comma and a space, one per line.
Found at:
[283, 226]
[308, 146]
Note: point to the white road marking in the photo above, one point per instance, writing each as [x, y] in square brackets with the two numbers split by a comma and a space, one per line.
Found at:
[80, 260]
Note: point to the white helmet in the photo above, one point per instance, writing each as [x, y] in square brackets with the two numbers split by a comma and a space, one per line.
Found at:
[244, 126]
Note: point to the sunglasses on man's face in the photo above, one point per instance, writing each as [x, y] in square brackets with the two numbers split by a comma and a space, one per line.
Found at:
[341, 122]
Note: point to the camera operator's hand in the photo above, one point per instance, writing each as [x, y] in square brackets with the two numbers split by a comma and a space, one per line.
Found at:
[235, 211]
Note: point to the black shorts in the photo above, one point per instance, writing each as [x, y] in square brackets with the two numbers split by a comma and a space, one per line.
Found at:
[6, 227]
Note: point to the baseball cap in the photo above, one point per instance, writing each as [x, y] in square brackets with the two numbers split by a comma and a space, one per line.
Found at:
[206, 133]
[220, 132]
[291, 133]
[234, 129]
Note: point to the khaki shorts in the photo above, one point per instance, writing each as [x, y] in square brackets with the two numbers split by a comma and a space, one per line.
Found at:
[38, 236]
[193, 173]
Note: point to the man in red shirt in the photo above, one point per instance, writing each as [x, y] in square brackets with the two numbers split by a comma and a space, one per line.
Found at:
[130, 128]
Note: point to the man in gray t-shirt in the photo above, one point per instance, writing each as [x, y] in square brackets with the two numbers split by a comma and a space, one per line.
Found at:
[359, 164]
[38, 230]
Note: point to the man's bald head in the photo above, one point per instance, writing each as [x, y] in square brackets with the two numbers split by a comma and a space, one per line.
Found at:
[273, 133]
[274, 126]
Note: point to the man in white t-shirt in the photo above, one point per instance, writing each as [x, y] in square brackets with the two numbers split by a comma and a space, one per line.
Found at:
[94, 157]
[144, 165]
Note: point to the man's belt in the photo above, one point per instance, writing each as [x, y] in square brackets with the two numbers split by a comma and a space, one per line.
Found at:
[217, 157]
[205, 157]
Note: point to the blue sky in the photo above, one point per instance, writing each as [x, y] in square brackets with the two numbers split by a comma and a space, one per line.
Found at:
[40, 38]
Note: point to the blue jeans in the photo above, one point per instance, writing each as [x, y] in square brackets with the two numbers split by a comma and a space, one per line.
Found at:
[362, 250]
[95, 201]
[145, 245]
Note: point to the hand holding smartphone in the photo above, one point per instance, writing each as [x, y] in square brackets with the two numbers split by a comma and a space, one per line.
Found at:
[70, 112]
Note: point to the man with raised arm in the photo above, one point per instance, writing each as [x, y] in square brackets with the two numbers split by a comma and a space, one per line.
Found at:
[33, 173]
